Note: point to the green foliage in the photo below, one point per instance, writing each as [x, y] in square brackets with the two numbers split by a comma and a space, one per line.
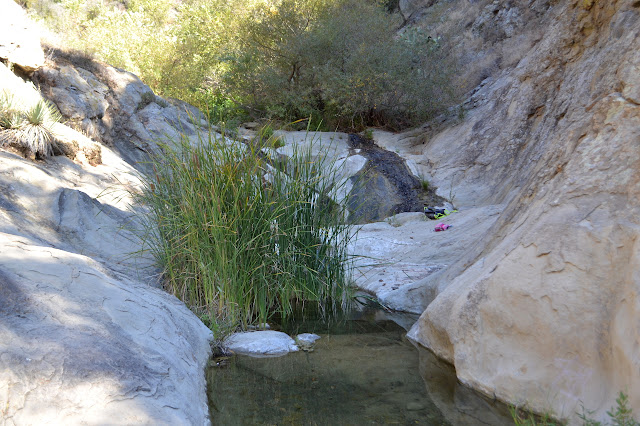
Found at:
[341, 63]
[298, 58]
[220, 109]
[10, 116]
[30, 127]
[136, 35]
[240, 240]
[266, 132]
[425, 184]
[266, 137]
[523, 418]
[620, 415]
[145, 99]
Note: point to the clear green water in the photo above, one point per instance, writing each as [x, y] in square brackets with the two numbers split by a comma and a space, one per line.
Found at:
[361, 372]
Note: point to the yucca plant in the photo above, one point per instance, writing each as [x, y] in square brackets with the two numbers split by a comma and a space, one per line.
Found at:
[29, 127]
[239, 239]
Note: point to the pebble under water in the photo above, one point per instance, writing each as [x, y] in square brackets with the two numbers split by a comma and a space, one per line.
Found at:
[361, 372]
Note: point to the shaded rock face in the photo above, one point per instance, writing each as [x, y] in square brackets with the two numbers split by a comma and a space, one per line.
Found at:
[410, 8]
[80, 345]
[85, 336]
[384, 187]
[543, 310]
[375, 182]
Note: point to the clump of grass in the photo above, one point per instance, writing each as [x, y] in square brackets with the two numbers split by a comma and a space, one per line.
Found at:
[524, 418]
[266, 137]
[29, 127]
[240, 240]
[620, 415]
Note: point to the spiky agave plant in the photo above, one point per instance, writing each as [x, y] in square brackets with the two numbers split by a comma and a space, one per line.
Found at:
[31, 127]
[37, 132]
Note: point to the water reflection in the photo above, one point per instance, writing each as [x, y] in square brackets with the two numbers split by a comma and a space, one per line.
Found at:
[365, 372]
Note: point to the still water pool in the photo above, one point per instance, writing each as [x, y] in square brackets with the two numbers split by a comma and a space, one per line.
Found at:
[363, 371]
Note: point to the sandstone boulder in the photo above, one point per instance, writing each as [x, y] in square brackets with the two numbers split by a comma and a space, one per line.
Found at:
[80, 345]
[402, 260]
[86, 336]
[115, 107]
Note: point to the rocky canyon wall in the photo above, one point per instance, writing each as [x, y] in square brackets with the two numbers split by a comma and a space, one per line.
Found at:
[544, 310]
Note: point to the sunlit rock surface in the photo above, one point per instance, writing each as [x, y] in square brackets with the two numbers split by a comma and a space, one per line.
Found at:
[543, 310]
[86, 335]
[19, 38]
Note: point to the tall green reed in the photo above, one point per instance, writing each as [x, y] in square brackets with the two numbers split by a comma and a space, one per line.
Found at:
[241, 236]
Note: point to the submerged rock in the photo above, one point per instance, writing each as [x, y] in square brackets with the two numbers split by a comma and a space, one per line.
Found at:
[265, 343]
[305, 341]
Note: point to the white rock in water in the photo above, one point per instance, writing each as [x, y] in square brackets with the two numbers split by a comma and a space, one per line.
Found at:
[261, 343]
[306, 338]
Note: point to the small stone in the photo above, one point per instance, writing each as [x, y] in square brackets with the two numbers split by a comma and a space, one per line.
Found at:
[261, 326]
[251, 125]
[307, 338]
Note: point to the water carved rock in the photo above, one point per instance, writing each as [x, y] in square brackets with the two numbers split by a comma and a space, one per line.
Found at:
[543, 310]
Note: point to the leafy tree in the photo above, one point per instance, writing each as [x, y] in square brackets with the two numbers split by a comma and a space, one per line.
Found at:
[340, 60]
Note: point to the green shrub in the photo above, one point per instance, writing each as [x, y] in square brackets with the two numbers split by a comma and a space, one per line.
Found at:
[620, 415]
[295, 58]
[340, 63]
[135, 35]
[523, 418]
[239, 240]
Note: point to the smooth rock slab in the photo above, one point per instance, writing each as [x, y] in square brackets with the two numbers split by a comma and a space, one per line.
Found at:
[80, 346]
[265, 343]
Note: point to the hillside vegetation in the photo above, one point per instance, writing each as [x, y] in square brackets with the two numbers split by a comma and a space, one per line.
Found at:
[343, 63]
